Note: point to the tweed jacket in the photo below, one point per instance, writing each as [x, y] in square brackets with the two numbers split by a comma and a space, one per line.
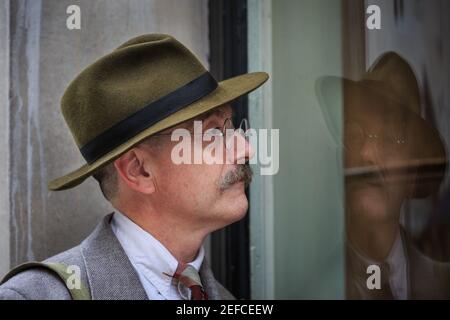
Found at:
[105, 270]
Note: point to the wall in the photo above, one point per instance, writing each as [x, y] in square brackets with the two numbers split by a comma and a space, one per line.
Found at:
[4, 136]
[43, 58]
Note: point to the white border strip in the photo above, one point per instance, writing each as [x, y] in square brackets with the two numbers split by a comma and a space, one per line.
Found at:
[4, 138]
[262, 278]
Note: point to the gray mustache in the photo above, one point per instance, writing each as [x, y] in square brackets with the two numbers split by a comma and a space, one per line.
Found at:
[243, 172]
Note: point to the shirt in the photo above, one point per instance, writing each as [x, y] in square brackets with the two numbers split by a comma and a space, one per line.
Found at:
[396, 259]
[152, 260]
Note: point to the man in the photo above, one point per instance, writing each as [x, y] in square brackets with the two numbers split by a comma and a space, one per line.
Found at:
[391, 155]
[121, 111]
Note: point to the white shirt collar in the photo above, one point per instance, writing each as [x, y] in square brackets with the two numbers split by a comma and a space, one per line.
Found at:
[397, 262]
[396, 258]
[149, 255]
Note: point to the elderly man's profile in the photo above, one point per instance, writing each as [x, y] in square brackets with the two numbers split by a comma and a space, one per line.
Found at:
[391, 154]
[121, 111]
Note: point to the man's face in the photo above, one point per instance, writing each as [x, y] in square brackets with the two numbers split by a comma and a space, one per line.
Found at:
[211, 195]
[376, 140]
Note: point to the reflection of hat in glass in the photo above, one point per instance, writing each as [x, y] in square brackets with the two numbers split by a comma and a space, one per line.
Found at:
[389, 83]
[148, 84]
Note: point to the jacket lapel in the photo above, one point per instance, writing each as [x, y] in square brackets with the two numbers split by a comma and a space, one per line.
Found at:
[209, 282]
[428, 279]
[213, 288]
[110, 273]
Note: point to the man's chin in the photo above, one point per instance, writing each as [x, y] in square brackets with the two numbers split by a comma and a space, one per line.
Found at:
[232, 204]
[237, 206]
[368, 202]
[368, 210]
[368, 194]
[240, 203]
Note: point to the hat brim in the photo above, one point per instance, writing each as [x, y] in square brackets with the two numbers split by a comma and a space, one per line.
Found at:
[227, 91]
[330, 93]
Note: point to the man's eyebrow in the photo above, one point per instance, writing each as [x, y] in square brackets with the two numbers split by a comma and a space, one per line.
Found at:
[217, 111]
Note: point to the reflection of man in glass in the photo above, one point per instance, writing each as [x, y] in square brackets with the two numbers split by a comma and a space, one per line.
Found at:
[391, 154]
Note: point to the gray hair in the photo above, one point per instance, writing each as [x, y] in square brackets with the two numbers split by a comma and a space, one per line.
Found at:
[107, 176]
[107, 179]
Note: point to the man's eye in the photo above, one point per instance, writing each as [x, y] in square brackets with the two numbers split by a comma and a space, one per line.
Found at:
[213, 132]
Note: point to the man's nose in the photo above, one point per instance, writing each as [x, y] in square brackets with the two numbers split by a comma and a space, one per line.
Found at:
[369, 151]
[243, 149]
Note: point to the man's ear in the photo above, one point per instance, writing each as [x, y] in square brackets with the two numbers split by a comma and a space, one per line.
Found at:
[134, 170]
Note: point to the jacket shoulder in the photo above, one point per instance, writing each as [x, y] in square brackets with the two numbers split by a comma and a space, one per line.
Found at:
[43, 284]
[34, 284]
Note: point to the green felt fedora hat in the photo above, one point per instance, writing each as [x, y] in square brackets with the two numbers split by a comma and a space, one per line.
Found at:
[148, 84]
